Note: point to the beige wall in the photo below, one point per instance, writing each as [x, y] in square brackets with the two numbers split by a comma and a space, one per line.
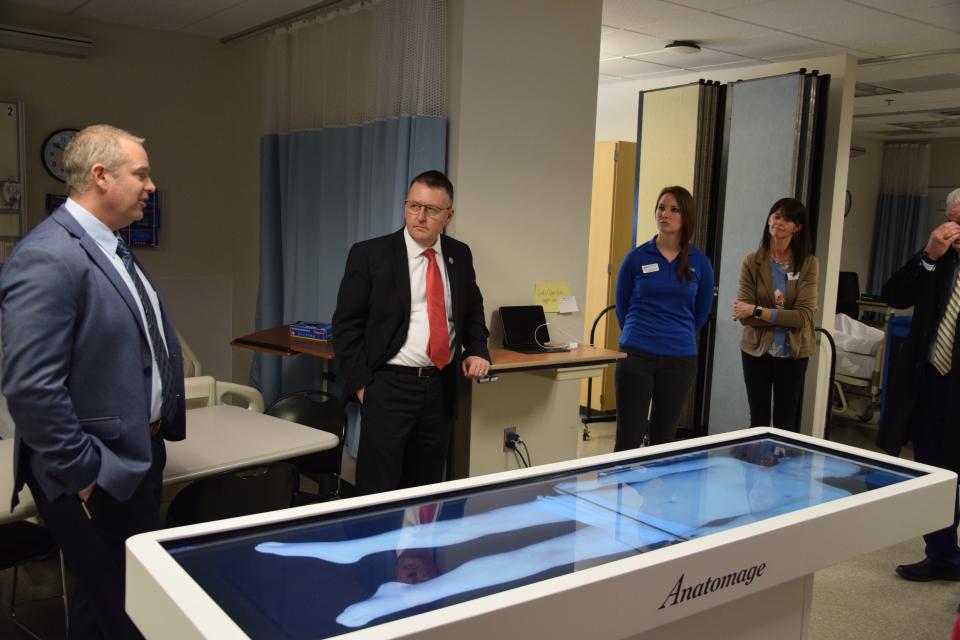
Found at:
[190, 98]
[522, 112]
[863, 183]
[945, 163]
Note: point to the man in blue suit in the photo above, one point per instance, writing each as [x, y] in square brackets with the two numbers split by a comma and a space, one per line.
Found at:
[93, 374]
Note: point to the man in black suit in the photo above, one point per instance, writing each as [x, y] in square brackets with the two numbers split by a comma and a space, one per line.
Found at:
[409, 317]
[923, 396]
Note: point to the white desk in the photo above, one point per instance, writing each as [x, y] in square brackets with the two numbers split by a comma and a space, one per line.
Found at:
[219, 438]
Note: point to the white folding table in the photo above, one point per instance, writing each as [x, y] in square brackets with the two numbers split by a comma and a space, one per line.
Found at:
[219, 438]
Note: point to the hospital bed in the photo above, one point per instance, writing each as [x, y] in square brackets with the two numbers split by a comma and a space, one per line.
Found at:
[859, 368]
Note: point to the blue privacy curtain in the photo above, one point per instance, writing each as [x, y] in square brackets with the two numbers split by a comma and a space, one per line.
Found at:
[356, 108]
[900, 229]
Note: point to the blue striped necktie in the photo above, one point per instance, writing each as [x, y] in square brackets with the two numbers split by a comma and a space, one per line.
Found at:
[943, 348]
[153, 330]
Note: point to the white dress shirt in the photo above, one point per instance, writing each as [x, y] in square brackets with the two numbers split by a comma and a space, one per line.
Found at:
[413, 353]
[107, 241]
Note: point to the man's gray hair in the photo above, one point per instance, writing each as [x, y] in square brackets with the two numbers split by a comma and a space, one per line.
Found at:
[953, 199]
[99, 143]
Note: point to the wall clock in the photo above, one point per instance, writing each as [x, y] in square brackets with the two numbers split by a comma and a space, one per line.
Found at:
[52, 152]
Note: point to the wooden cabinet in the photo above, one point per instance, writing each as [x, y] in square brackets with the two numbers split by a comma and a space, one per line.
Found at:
[611, 238]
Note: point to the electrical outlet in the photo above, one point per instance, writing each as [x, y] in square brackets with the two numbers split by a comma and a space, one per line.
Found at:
[506, 437]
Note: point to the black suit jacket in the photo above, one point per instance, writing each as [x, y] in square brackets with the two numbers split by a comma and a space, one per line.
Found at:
[373, 307]
[927, 292]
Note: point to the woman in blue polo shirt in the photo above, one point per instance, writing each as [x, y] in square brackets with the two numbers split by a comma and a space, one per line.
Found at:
[664, 294]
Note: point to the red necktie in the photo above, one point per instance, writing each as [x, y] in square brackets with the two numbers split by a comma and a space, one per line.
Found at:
[438, 347]
[428, 512]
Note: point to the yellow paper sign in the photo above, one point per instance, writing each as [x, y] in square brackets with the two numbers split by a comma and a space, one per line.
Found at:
[548, 294]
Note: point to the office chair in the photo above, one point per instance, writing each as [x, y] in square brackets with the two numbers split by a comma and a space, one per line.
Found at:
[22, 542]
[323, 411]
[848, 292]
[237, 493]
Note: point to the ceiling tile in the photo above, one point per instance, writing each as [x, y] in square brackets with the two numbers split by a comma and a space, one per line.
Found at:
[877, 73]
[924, 100]
[705, 28]
[823, 53]
[946, 16]
[716, 5]
[937, 82]
[913, 41]
[246, 14]
[706, 57]
[795, 17]
[898, 6]
[943, 64]
[625, 43]
[59, 6]
[628, 14]
[628, 67]
[170, 15]
[777, 45]
[726, 65]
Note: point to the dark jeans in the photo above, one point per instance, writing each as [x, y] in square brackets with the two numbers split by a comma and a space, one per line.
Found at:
[785, 376]
[927, 427]
[93, 547]
[406, 423]
[644, 377]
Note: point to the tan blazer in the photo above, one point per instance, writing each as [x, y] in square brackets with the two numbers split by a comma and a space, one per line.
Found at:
[798, 314]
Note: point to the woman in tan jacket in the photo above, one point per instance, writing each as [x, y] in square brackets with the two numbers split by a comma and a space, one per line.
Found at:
[776, 304]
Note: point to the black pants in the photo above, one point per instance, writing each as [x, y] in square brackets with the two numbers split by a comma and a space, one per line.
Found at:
[785, 376]
[93, 548]
[928, 424]
[644, 377]
[405, 429]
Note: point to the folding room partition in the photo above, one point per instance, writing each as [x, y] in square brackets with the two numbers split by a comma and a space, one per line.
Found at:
[738, 148]
[773, 148]
[679, 136]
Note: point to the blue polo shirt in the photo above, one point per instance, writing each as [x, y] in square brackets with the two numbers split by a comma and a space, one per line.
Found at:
[658, 312]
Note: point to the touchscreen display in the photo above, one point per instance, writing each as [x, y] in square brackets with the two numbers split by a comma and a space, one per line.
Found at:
[327, 575]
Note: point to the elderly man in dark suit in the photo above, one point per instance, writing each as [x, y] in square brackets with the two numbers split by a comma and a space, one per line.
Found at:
[409, 317]
[923, 402]
[93, 374]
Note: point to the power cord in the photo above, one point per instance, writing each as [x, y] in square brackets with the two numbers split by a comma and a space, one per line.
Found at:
[511, 442]
[529, 457]
[569, 345]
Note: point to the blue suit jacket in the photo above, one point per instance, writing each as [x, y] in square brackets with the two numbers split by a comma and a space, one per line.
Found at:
[77, 365]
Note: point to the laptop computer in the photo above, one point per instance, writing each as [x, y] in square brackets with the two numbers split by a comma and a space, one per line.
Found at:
[525, 330]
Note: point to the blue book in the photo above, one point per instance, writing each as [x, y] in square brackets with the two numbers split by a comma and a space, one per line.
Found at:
[312, 330]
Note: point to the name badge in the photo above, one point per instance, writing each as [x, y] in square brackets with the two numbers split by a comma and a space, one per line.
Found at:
[793, 276]
[651, 268]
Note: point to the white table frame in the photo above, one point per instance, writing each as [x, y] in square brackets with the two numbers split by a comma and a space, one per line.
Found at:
[616, 600]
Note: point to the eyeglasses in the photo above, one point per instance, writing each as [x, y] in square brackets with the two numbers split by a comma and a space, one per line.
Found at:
[429, 209]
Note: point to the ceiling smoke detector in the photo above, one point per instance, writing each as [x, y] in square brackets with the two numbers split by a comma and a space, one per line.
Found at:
[683, 46]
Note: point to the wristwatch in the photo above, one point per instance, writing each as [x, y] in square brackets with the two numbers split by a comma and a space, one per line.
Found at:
[757, 312]
[927, 260]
